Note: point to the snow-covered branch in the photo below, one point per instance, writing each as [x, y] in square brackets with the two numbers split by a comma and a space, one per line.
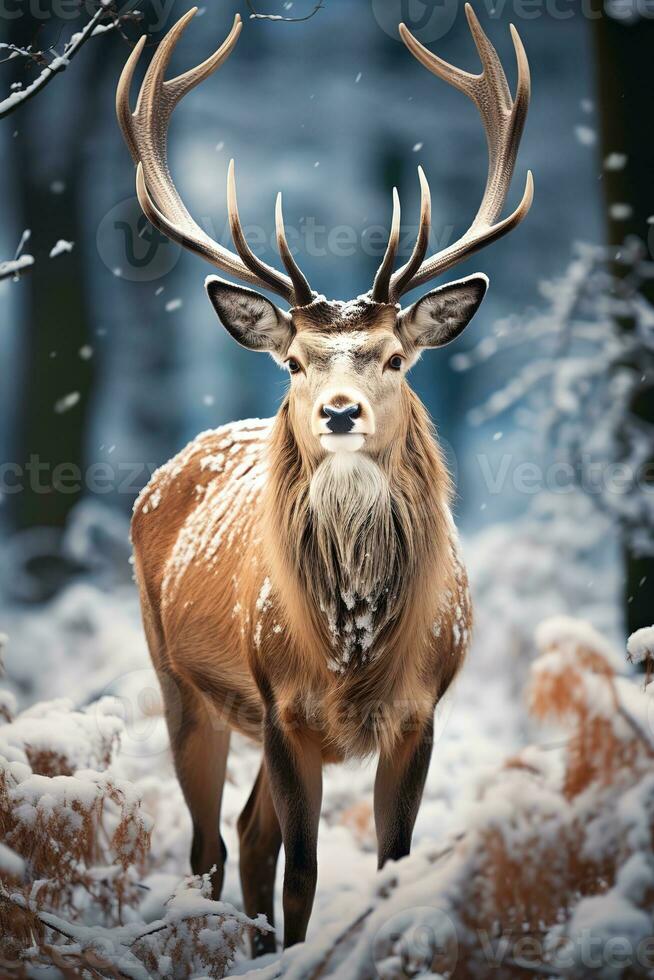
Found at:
[573, 375]
[59, 62]
[20, 262]
[13, 268]
[255, 15]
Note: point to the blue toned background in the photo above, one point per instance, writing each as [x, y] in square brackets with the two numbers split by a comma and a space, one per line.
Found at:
[333, 111]
[112, 357]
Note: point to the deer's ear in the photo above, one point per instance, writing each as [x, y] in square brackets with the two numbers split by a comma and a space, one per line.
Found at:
[250, 318]
[444, 313]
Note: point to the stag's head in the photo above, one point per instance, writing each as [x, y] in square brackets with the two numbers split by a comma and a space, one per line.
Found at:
[347, 360]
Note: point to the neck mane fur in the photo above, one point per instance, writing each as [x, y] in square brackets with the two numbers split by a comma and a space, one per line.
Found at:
[359, 547]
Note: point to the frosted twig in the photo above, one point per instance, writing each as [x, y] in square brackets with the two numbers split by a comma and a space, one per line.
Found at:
[60, 62]
[9, 270]
[254, 15]
[19, 263]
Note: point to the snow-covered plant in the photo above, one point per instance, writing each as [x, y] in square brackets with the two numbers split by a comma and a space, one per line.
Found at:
[640, 649]
[545, 839]
[590, 353]
[555, 863]
[78, 831]
[12, 268]
[106, 16]
[74, 841]
[536, 566]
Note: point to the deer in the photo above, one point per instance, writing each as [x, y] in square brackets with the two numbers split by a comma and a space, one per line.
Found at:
[300, 577]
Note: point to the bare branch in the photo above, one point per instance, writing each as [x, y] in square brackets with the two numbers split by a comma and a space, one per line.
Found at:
[254, 15]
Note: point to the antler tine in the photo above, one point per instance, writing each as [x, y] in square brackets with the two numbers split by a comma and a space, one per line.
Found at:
[192, 237]
[491, 64]
[503, 118]
[302, 289]
[502, 146]
[457, 77]
[381, 285]
[154, 77]
[467, 245]
[179, 86]
[123, 110]
[523, 86]
[404, 275]
[155, 106]
[265, 272]
[145, 133]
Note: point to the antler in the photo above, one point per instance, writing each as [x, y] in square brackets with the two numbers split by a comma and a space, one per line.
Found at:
[503, 118]
[145, 133]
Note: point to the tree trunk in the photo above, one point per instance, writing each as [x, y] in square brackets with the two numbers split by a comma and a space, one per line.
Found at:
[49, 441]
[625, 85]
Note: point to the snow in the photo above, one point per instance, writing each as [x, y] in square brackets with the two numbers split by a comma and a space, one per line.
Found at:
[586, 135]
[220, 517]
[90, 641]
[567, 631]
[640, 645]
[620, 211]
[615, 161]
[67, 402]
[546, 592]
[15, 266]
[61, 247]
[11, 864]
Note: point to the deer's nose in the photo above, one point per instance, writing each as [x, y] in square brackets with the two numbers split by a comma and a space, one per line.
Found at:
[340, 421]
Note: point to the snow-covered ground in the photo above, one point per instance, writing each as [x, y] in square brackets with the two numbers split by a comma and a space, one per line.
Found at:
[87, 644]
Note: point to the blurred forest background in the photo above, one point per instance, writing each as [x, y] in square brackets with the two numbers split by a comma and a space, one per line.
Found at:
[112, 359]
[110, 351]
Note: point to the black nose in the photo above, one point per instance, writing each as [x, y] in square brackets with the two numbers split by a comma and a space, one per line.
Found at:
[341, 420]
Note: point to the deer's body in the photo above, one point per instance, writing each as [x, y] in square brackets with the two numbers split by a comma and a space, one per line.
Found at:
[356, 664]
[299, 577]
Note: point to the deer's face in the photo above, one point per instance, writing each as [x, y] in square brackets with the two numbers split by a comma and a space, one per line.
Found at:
[346, 383]
[347, 361]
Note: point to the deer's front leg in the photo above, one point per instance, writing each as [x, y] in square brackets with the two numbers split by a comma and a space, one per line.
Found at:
[294, 763]
[399, 784]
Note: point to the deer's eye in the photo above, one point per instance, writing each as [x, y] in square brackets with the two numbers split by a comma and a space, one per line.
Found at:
[395, 363]
[293, 365]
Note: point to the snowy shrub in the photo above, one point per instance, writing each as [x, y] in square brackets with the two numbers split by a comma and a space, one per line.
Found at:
[534, 567]
[575, 371]
[74, 844]
[552, 872]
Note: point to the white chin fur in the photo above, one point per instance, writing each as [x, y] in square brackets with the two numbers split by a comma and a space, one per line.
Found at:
[345, 443]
